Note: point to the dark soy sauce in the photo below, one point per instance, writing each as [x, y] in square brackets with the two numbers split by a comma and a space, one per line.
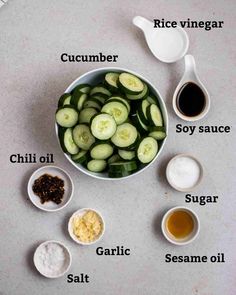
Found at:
[190, 100]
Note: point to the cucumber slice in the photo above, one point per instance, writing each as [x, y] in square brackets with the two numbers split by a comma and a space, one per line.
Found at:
[80, 157]
[103, 126]
[100, 89]
[86, 115]
[157, 133]
[123, 166]
[113, 159]
[142, 111]
[116, 109]
[142, 128]
[130, 84]
[85, 88]
[93, 103]
[64, 100]
[152, 99]
[147, 150]
[111, 81]
[101, 97]
[83, 137]
[154, 115]
[142, 95]
[78, 99]
[121, 99]
[67, 116]
[96, 165]
[120, 174]
[66, 140]
[125, 136]
[127, 155]
[101, 150]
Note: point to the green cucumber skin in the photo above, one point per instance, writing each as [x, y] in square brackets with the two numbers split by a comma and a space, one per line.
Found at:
[142, 115]
[61, 132]
[126, 90]
[111, 88]
[138, 125]
[156, 128]
[62, 99]
[149, 115]
[83, 160]
[139, 97]
[61, 135]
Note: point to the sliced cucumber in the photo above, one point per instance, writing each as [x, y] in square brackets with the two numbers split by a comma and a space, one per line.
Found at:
[125, 136]
[80, 157]
[85, 88]
[154, 115]
[142, 95]
[142, 128]
[116, 109]
[78, 99]
[101, 97]
[157, 132]
[152, 99]
[100, 89]
[93, 103]
[130, 84]
[103, 126]
[142, 111]
[123, 166]
[86, 115]
[121, 99]
[119, 174]
[83, 137]
[64, 99]
[127, 155]
[147, 150]
[96, 165]
[113, 159]
[111, 81]
[67, 143]
[101, 150]
[67, 116]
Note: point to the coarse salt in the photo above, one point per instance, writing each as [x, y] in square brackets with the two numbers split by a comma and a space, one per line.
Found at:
[51, 259]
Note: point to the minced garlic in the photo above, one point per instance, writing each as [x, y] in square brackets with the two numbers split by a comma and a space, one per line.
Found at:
[88, 227]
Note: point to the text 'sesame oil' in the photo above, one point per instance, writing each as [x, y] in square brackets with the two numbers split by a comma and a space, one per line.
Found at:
[191, 100]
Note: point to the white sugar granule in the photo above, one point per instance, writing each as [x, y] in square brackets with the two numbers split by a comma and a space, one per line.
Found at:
[184, 172]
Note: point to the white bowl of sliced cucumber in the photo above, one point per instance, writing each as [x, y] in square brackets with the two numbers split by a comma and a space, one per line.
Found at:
[111, 123]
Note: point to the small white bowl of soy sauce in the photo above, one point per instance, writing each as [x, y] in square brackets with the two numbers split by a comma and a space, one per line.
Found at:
[191, 100]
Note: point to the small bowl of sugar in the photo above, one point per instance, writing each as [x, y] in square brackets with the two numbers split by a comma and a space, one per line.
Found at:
[52, 259]
[184, 172]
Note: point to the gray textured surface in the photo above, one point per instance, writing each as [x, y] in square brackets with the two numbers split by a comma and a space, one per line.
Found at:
[33, 35]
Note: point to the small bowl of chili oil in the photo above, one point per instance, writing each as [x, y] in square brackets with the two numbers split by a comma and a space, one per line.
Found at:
[50, 188]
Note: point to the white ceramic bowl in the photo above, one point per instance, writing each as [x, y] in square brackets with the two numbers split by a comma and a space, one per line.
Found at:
[172, 183]
[79, 213]
[40, 267]
[94, 77]
[191, 237]
[68, 186]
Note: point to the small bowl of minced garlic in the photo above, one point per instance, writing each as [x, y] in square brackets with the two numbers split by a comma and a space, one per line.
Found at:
[86, 226]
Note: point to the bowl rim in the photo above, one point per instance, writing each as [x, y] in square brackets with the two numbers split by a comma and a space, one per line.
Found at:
[176, 242]
[30, 183]
[80, 212]
[63, 246]
[163, 109]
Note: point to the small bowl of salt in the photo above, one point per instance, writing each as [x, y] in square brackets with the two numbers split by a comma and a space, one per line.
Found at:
[184, 172]
[52, 259]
